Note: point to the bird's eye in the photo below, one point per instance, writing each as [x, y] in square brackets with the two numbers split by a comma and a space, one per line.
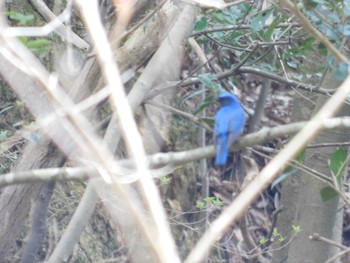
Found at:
[225, 100]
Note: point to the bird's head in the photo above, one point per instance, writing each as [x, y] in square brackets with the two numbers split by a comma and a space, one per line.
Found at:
[227, 98]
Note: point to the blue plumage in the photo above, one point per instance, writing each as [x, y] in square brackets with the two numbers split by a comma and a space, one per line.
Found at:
[229, 124]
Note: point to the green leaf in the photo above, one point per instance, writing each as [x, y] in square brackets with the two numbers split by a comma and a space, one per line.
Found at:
[259, 21]
[282, 177]
[201, 24]
[223, 17]
[200, 205]
[203, 106]
[4, 134]
[38, 46]
[234, 37]
[24, 40]
[209, 199]
[298, 77]
[268, 34]
[327, 193]
[281, 239]
[263, 240]
[275, 231]
[337, 165]
[21, 18]
[330, 33]
[165, 180]
[296, 229]
[341, 71]
[337, 161]
[292, 64]
[218, 202]
[38, 43]
[207, 79]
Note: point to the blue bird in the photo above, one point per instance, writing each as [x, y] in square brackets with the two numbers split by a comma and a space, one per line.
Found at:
[229, 124]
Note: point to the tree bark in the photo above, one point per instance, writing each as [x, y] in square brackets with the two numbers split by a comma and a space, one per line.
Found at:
[15, 201]
[301, 198]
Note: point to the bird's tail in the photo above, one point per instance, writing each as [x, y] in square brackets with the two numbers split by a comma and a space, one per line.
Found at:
[221, 150]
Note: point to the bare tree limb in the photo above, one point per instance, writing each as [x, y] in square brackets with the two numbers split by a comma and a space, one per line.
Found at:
[126, 171]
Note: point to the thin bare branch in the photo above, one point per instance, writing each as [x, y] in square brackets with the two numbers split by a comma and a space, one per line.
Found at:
[244, 27]
[194, 81]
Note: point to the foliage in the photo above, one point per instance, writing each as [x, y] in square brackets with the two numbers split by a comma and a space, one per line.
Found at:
[165, 180]
[277, 235]
[337, 166]
[4, 134]
[22, 19]
[331, 18]
[210, 200]
[39, 46]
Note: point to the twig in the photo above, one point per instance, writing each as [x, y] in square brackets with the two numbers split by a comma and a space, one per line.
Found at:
[280, 79]
[330, 144]
[341, 253]
[273, 225]
[62, 30]
[226, 45]
[245, 59]
[317, 237]
[189, 116]
[194, 81]
[244, 27]
[319, 176]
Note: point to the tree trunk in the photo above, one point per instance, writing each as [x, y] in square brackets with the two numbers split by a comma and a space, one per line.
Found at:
[301, 198]
[16, 201]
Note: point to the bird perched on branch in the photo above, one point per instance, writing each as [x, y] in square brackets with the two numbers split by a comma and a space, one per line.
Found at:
[229, 124]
